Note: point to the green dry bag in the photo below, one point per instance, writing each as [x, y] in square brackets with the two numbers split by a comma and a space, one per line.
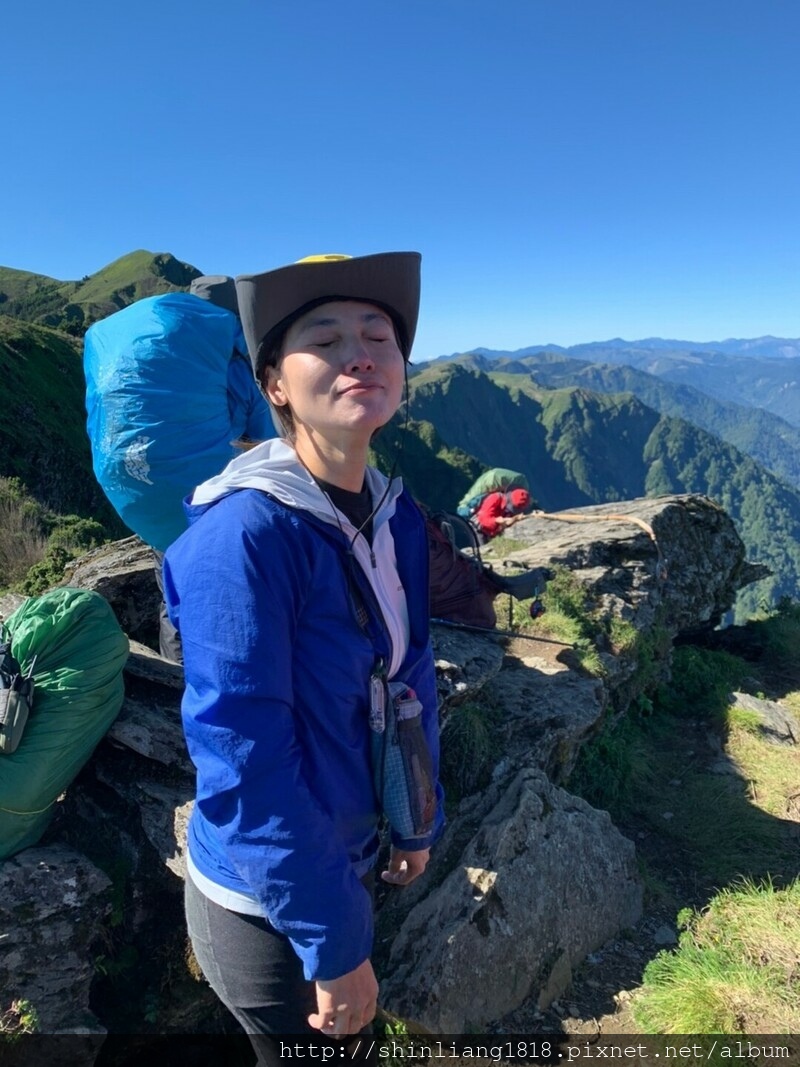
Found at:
[79, 652]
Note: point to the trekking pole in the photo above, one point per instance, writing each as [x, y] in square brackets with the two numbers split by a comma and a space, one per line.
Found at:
[491, 631]
[563, 516]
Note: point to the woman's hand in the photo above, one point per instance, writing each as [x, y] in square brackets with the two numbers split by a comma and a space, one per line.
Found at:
[508, 520]
[345, 1005]
[404, 867]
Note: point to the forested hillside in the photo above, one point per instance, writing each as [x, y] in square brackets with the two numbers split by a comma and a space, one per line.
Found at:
[766, 438]
[578, 447]
[437, 474]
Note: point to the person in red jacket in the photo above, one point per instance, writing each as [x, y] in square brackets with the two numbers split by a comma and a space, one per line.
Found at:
[498, 511]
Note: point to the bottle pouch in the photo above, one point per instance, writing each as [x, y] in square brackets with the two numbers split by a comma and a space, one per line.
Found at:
[401, 761]
[16, 700]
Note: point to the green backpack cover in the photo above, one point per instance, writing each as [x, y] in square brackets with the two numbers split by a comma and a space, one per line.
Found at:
[80, 651]
[498, 479]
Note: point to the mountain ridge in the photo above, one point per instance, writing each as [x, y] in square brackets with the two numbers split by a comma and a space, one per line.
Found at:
[753, 381]
[577, 444]
[770, 440]
[72, 306]
[768, 347]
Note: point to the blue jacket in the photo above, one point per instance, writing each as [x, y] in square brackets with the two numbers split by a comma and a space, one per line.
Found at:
[276, 703]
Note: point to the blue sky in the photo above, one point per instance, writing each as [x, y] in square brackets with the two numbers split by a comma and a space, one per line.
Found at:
[571, 170]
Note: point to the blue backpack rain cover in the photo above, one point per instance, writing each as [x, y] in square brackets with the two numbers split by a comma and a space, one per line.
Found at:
[167, 392]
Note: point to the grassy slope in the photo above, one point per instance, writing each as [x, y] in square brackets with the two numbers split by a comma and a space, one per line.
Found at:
[72, 306]
[22, 284]
[132, 277]
[712, 806]
[736, 968]
[43, 439]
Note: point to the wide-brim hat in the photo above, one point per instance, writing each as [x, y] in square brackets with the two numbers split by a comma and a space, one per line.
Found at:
[269, 302]
[218, 289]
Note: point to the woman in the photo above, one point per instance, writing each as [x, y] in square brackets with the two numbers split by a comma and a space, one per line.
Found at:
[500, 510]
[300, 592]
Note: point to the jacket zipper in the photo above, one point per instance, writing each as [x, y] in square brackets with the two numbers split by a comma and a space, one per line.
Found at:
[391, 623]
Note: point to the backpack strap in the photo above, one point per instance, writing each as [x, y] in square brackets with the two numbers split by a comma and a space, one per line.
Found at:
[16, 699]
[449, 523]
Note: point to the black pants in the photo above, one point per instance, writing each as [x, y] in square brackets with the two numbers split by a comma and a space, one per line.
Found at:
[169, 640]
[257, 975]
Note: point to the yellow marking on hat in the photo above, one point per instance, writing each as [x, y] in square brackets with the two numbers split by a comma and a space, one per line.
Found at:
[330, 257]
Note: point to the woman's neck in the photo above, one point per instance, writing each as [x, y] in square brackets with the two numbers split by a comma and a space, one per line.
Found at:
[344, 468]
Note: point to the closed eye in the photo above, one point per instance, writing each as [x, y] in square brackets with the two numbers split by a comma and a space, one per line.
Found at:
[328, 343]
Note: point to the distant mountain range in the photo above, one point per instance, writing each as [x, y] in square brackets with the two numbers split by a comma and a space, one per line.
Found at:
[580, 447]
[592, 423]
[763, 347]
[772, 441]
[762, 373]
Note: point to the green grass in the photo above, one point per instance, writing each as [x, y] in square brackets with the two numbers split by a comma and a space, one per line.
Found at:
[729, 838]
[718, 830]
[623, 635]
[37, 543]
[611, 766]
[129, 270]
[781, 635]
[744, 720]
[501, 547]
[772, 772]
[568, 618]
[639, 770]
[43, 439]
[736, 970]
[701, 683]
[470, 747]
[708, 820]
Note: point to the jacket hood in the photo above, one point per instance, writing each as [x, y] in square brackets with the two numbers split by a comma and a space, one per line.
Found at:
[273, 467]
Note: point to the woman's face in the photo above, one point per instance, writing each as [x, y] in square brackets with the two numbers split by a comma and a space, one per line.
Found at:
[341, 373]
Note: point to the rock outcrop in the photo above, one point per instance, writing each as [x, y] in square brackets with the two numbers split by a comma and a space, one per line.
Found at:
[54, 904]
[683, 572]
[527, 880]
[544, 881]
